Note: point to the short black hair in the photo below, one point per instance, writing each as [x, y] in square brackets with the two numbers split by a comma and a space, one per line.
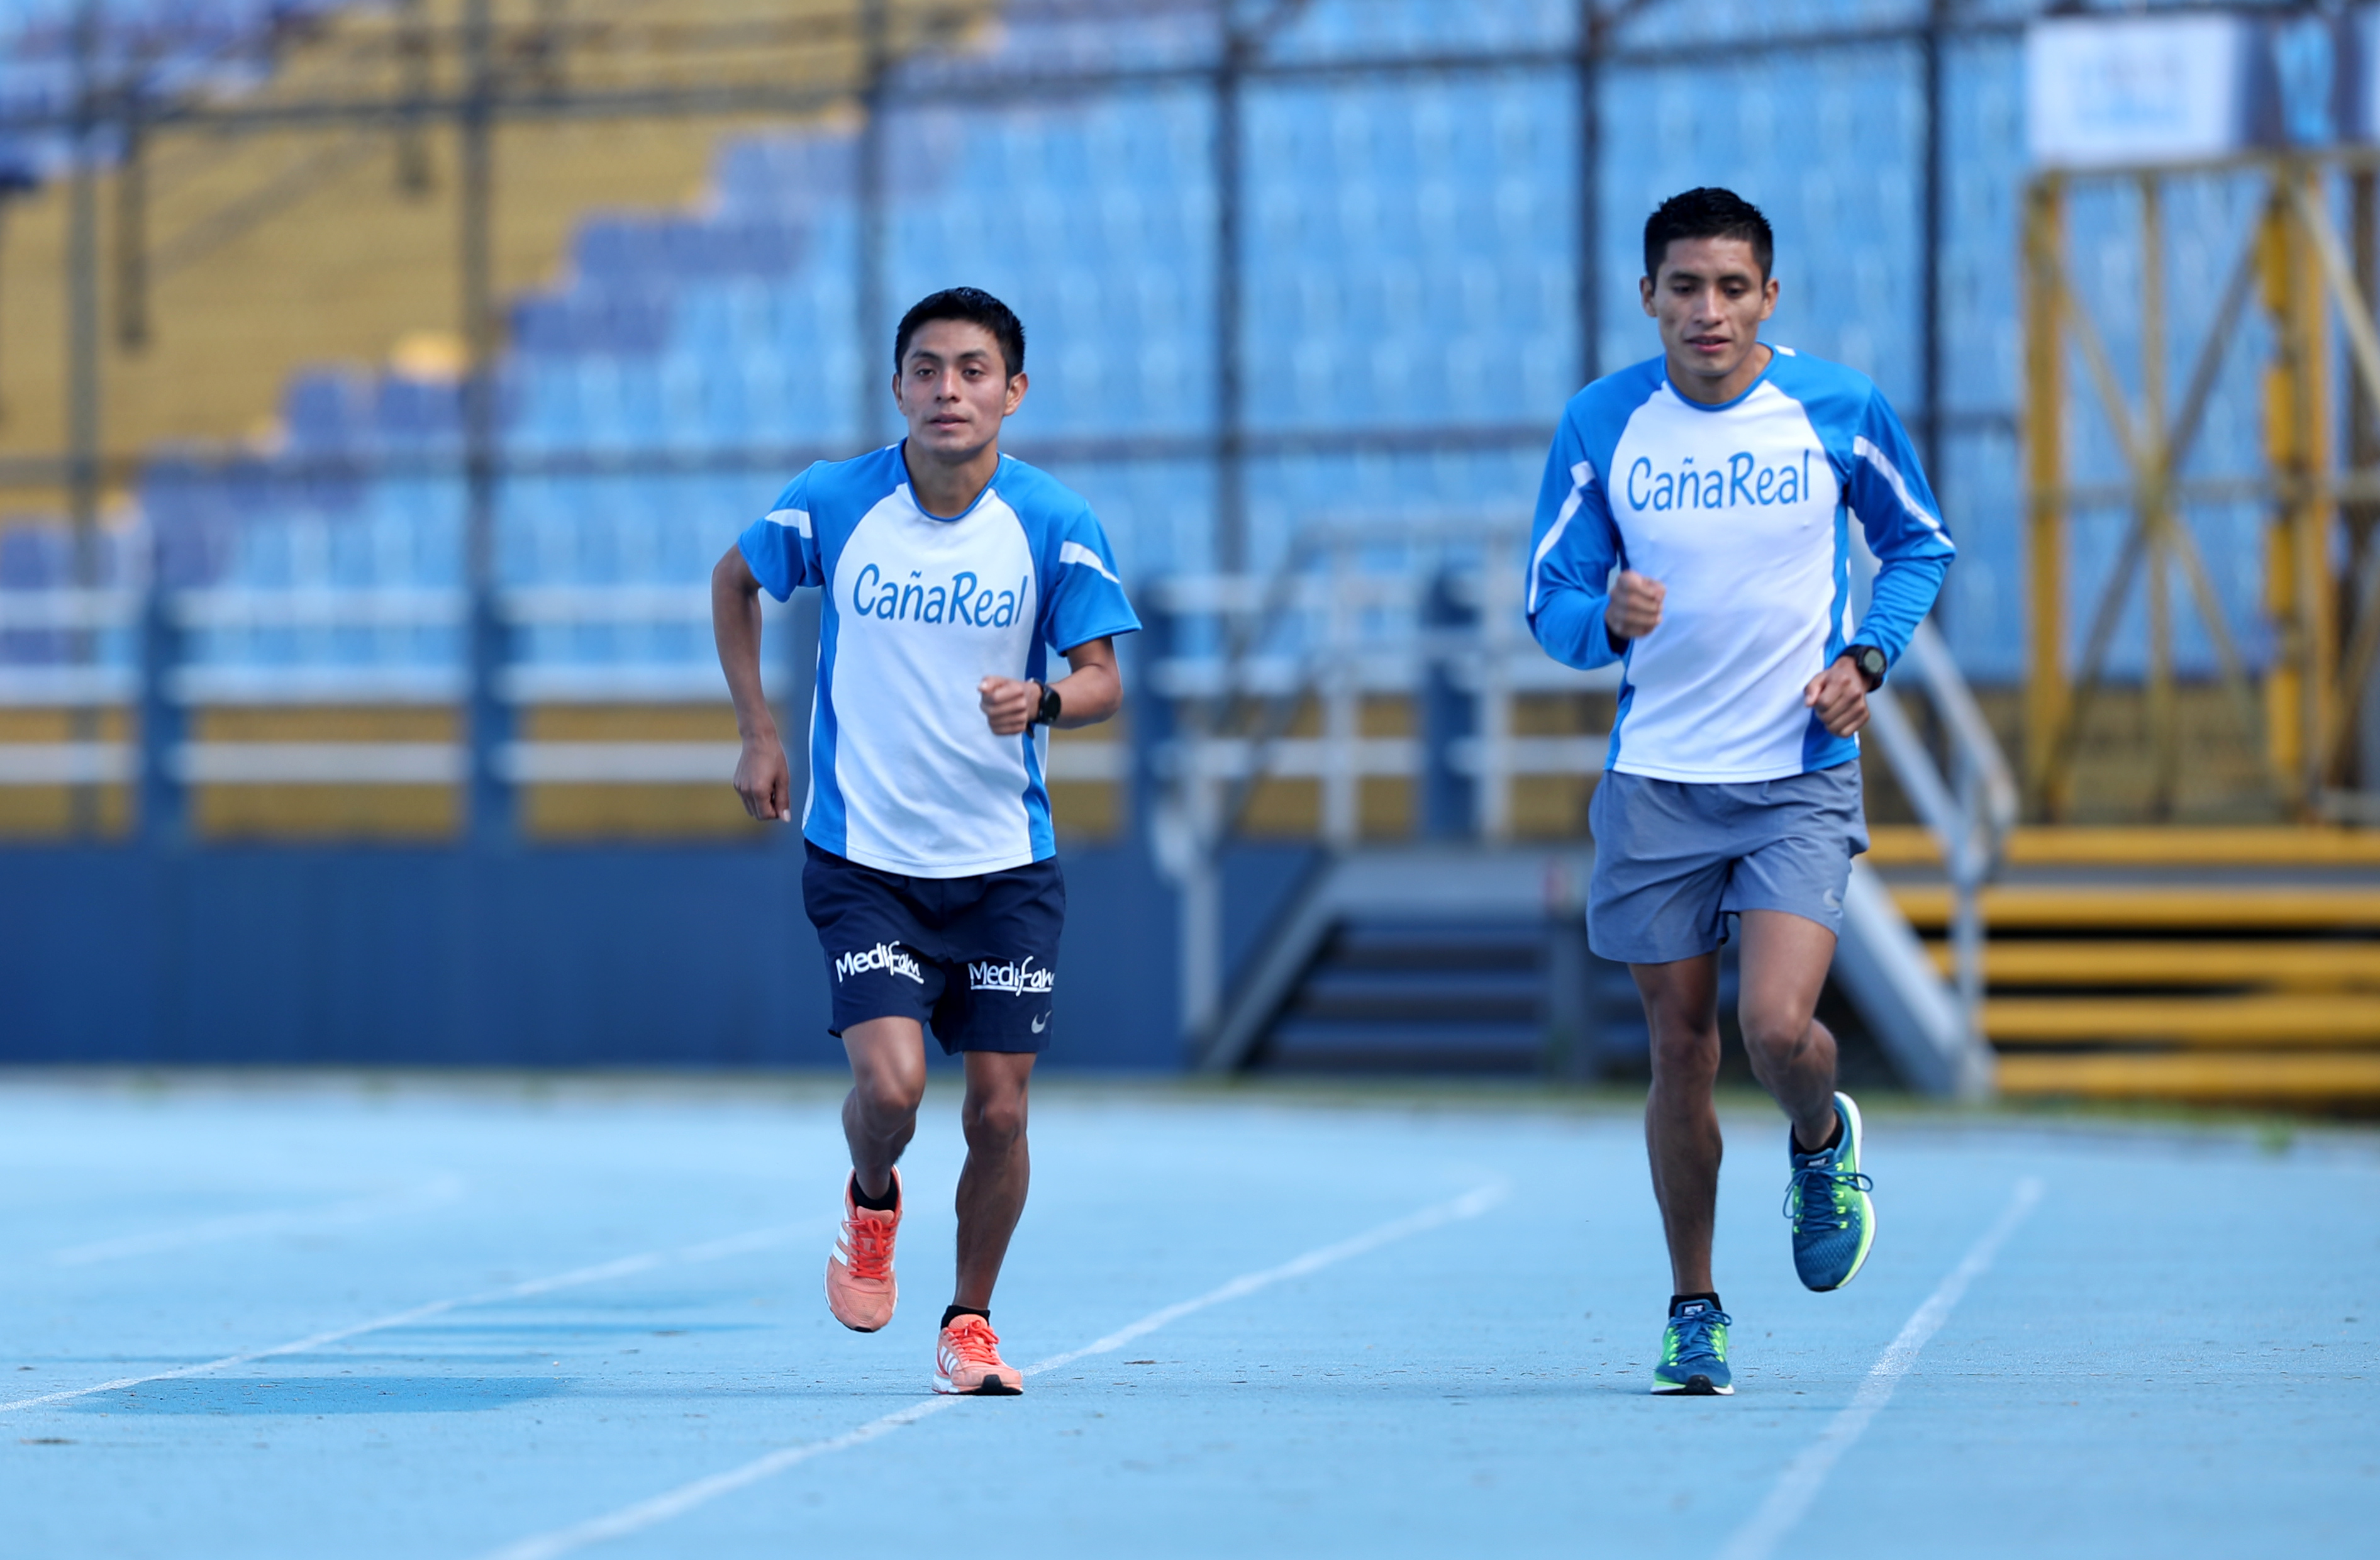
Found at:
[976, 307]
[1706, 212]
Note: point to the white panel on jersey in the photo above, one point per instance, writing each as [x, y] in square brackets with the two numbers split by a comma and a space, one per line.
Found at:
[1718, 687]
[1075, 552]
[927, 609]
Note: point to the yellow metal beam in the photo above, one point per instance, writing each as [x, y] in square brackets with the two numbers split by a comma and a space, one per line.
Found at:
[2254, 1077]
[2277, 1020]
[2104, 963]
[2044, 435]
[2046, 907]
[2286, 844]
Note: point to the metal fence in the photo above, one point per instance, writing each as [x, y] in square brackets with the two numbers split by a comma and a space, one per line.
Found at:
[1287, 264]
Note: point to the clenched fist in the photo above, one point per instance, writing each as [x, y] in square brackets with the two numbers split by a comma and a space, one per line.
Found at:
[1636, 607]
[1008, 706]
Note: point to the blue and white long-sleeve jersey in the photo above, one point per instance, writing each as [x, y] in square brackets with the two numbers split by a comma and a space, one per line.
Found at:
[1739, 511]
[905, 774]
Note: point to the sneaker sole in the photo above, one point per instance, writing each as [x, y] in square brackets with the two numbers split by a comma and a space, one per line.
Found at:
[853, 1325]
[988, 1389]
[1696, 1386]
[1867, 1205]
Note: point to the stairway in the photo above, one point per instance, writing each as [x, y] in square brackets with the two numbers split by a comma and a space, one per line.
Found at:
[1482, 997]
[2215, 966]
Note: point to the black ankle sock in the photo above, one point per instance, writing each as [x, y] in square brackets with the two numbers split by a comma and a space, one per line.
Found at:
[950, 1312]
[1832, 1138]
[1677, 1300]
[888, 1203]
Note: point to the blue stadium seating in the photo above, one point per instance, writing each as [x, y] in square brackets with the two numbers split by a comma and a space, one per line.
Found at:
[1410, 246]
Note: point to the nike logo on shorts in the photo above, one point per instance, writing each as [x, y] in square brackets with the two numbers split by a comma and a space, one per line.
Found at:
[1037, 1023]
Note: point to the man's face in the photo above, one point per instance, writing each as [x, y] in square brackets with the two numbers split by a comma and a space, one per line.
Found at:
[954, 389]
[1710, 300]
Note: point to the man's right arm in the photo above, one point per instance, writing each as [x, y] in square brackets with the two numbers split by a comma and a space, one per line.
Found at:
[763, 780]
[1572, 547]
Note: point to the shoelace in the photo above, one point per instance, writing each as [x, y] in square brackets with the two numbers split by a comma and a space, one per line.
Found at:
[1693, 1332]
[1818, 1182]
[869, 1244]
[972, 1339]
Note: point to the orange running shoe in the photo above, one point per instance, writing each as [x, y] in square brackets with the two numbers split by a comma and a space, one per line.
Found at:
[859, 1287]
[968, 1362]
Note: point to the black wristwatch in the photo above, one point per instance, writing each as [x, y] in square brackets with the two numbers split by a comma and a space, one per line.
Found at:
[1049, 711]
[1871, 663]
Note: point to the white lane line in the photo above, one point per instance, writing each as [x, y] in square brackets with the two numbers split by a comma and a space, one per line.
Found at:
[752, 1240]
[685, 1497]
[430, 1194]
[1798, 1486]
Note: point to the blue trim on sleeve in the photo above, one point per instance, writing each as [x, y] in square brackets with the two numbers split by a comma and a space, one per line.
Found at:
[1620, 716]
[1573, 544]
[822, 817]
[1884, 485]
[1037, 827]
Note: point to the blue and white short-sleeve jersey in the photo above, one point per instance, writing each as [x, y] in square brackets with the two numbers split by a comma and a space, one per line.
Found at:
[1739, 511]
[905, 774]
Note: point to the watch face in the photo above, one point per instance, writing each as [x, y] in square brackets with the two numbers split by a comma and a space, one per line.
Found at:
[1871, 661]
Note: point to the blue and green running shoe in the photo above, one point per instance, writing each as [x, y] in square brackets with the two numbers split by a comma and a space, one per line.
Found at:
[1834, 1222]
[1693, 1353]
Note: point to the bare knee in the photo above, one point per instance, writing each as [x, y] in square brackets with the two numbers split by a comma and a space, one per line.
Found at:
[995, 1120]
[890, 1093]
[1773, 1034]
[1685, 1054]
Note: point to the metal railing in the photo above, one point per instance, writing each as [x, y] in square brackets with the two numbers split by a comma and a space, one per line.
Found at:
[165, 683]
[1429, 611]
[161, 681]
[1432, 612]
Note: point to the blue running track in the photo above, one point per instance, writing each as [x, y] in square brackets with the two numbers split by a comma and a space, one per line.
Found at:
[524, 1318]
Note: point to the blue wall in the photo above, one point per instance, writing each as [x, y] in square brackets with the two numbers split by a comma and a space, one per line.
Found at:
[684, 956]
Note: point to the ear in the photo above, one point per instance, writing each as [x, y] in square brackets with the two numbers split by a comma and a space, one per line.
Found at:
[1017, 386]
[1768, 299]
[1645, 297]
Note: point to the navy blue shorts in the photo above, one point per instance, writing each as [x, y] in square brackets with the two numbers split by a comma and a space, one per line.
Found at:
[973, 958]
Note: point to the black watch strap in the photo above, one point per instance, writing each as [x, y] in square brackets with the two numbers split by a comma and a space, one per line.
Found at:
[1050, 707]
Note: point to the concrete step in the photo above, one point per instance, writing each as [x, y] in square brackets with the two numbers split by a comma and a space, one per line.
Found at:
[1421, 994]
[1477, 1046]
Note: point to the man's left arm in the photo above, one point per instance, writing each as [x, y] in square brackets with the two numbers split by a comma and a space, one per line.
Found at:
[1083, 610]
[1902, 520]
[1089, 693]
[1886, 489]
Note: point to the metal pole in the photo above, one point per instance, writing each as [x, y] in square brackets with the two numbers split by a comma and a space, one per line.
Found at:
[868, 179]
[132, 225]
[1930, 231]
[490, 798]
[2155, 516]
[2045, 455]
[1230, 462]
[2363, 453]
[413, 55]
[82, 367]
[1590, 192]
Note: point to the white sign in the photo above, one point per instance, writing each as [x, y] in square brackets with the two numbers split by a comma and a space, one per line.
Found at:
[2116, 91]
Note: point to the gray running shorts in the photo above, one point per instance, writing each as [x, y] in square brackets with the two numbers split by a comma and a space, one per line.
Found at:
[1673, 861]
